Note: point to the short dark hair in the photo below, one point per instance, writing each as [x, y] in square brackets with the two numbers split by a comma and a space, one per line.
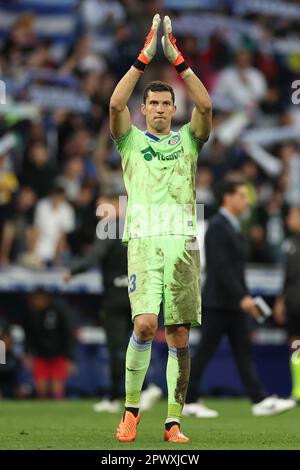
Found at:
[158, 86]
[226, 187]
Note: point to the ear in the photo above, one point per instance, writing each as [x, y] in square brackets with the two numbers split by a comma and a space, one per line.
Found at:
[143, 109]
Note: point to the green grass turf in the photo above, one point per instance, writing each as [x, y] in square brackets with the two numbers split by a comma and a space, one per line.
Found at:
[74, 425]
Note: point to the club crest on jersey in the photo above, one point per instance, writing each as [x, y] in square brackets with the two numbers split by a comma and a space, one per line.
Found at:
[174, 140]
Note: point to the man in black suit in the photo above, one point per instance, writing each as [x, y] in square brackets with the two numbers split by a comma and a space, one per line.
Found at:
[225, 301]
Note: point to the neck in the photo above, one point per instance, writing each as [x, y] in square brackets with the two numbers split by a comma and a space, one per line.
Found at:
[153, 131]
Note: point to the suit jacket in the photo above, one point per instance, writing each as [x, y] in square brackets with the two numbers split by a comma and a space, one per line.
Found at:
[292, 276]
[225, 265]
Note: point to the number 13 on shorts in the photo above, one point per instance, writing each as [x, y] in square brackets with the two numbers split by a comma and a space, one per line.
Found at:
[132, 283]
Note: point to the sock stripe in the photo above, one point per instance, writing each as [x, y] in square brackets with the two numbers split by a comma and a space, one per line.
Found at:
[173, 352]
[139, 345]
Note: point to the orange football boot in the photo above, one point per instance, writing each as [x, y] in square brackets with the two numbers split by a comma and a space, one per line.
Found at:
[127, 428]
[174, 435]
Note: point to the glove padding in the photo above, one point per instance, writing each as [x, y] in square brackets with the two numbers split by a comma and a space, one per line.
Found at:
[169, 43]
[149, 49]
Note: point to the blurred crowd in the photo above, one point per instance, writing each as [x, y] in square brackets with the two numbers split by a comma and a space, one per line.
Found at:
[56, 155]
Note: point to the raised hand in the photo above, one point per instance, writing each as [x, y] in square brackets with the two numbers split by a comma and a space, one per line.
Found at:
[171, 51]
[169, 42]
[149, 49]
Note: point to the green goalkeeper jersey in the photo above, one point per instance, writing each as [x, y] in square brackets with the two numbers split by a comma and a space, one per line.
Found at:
[159, 176]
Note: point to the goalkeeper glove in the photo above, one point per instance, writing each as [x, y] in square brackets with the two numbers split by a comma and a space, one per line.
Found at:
[170, 49]
[149, 49]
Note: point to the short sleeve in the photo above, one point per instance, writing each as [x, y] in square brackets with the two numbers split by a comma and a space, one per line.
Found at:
[191, 141]
[128, 143]
[124, 143]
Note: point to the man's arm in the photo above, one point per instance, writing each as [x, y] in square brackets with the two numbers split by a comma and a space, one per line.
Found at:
[119, 115]
[120, 121]
[202, 113]
[94, 257]
[201, 118]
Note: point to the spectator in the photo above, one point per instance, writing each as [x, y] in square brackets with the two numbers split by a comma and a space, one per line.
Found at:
[220, 159]
[250, 174]
[71, 178]
[38, 172]
[81, 58]
[271, 219]
[258, 252]
[8, 187]
[85, 219]
[102, 14]
[53, 220]
[124, 52]
[272, 104]
[41, 57]
[243, 84]
[204, 193]
[23, 220]
[80, 145]
[20, 42]
[49, 343]
[9, 371]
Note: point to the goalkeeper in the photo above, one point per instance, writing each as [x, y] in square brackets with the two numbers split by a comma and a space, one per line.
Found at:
[163, 258]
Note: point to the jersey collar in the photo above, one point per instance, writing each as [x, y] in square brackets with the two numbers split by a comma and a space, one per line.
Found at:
[154, 137]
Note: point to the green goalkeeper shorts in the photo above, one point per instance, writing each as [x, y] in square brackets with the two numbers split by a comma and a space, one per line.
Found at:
[165, 270]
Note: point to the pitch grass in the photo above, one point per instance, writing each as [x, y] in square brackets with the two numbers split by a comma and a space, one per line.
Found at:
[74, 425]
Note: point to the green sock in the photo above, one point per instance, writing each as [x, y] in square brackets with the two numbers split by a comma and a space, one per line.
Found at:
[295, 371]
[178, 372]
[137, 362]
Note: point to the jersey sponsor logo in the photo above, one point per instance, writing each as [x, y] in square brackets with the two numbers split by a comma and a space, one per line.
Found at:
[149, 154]
[174, 140]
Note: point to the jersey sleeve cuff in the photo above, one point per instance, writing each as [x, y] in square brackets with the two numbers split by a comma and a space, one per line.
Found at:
[119, 140]
[197, 139]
